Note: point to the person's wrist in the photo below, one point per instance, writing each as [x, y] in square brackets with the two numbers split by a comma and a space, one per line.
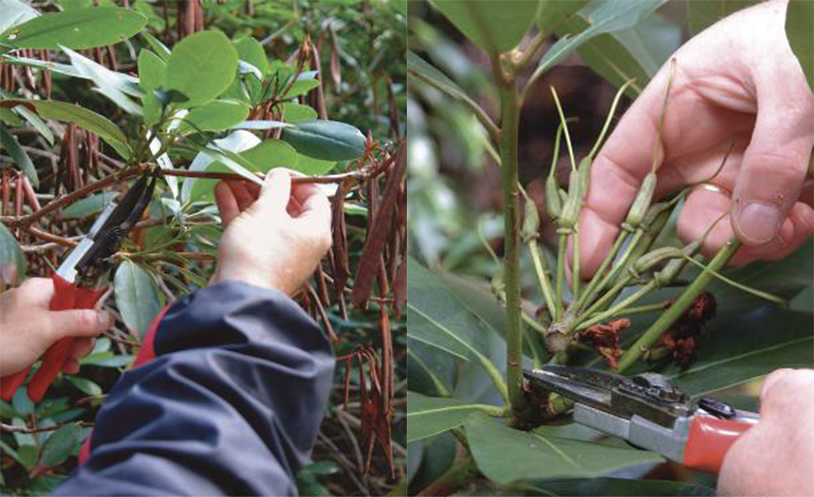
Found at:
[253, 276]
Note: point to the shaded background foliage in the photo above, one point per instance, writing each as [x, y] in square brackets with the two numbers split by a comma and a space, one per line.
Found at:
[457, 325]
[359, 79]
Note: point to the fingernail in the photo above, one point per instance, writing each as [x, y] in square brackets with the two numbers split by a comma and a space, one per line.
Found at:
[104, 319]
[759, 222]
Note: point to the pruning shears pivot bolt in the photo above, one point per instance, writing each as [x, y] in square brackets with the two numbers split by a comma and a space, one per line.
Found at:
[88, 262]
[648, 411]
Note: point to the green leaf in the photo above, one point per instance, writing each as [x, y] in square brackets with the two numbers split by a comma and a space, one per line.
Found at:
[326, 140]
[18, 155]
[214, 116]
[151, 70]
[496, 26]
[87, 206]
[59, 446]
[612, 487]
[599, 17]
[82, 117]
[157, 46]
[799, 29]
[251, 51]
[302, 86]
[77, 29]
[637, 52]
[298, 113]
[310, 166]
[85, 385]
[109, 83]
[270, 154]
[136, 297]
[734, 351]
[193, 189]
[552, 12]
[28, 455]
[439, 320]
[15, 13]
[702, 14]
[37, 123]
[12, 261]
[202, 66]
[429, 416]
[506, 455]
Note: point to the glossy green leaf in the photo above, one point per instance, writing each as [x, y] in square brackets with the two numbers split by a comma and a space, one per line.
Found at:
[111, 84]
[251, 51]
[298, 113]
[553, 12]
[28, 456]
[85, 385]
[152, 70]
[82, 117]
[799, 29]
[34, 120]
[496, 26]
[214, 116]
[270, 154]
[599, 17]
[702, 14]
[77, 29]
[611, 487]
[506, 455]
[326, 140]
[18, 155]
[634, 53]
[309, 165]
[159, 48]
[15, 13]
[12, 260]
[136, 297]
[59, 446]
[237, 141]
[202, 66]
[87, 206]
[429, 416]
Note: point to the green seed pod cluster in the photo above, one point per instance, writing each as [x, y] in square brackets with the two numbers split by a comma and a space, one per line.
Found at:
[531, 222]
[573, 203]
[637, 211]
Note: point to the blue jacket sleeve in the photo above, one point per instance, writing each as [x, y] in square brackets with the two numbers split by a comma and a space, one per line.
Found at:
[231, 404]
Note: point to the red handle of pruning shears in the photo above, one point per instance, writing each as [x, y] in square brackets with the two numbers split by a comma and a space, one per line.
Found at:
[710, 438]
[66, 296]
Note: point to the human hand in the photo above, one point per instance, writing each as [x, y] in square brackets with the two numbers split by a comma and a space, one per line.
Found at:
[736, 83]
[28, 327]
[275, 236]
[776, 456]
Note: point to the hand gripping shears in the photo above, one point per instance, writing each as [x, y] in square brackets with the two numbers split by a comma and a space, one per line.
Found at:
[647, 411]
[75, 281]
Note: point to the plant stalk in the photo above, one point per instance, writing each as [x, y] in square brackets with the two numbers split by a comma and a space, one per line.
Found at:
[679, 306]
[509, 123]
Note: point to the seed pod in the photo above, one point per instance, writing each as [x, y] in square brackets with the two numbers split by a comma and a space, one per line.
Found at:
[531, 221]
[651, 259]
[692, 248]
[552, 197]
[499, 286]
[573, 203]
[635, 215]
[585, 175]
[670, 272]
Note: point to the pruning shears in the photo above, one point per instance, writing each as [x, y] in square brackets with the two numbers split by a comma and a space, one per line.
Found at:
[647, 411]
[81, 280]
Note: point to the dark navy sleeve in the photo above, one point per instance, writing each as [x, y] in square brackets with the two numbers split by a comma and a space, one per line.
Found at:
[231, 404]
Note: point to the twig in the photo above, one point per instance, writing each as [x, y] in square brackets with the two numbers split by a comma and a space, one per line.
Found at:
[25, 429]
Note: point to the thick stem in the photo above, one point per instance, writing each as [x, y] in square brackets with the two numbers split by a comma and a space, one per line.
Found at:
[510, 114]
[459, 475]
[679, 306]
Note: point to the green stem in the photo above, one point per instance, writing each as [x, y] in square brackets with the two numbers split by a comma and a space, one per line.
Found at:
[679, 306]
[542, 277]
[461, 474]
[590, 292]
[618, 308]
[560, 276]
[644, 309]
[575, 269]
[509, 123]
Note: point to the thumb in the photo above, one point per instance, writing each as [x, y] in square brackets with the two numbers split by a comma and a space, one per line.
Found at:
[76, 323]
[275, 194]
[775, 163]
